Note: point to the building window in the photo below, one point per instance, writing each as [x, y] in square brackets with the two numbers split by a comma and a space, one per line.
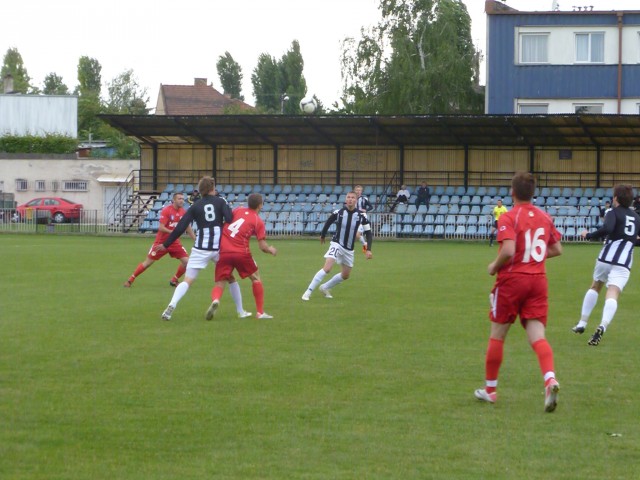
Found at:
[533, 108]
[22, 185]
[588, 109]
[40, 186]
[590, 47]
[534, 48]
[74, 185]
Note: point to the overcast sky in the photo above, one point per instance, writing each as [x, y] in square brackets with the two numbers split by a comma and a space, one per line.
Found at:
[173, 42]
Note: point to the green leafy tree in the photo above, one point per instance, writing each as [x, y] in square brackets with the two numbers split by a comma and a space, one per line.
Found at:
[266, 82]
[278, 86]
[88, 91]
[53, 85]
[230, 74]
[419, 59]
[14, 66]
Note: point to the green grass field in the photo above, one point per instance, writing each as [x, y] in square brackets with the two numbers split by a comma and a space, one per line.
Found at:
[374, 384]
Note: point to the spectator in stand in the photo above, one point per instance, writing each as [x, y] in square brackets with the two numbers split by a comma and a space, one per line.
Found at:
[194, 197]
[423, 195]
[402, 196]
[636, 203]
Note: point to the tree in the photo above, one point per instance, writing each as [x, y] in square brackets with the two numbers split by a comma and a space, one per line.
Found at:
[14, 66]
[126, 96]
[280, 85]
[88, 91]
[267, 84]
[419, 59]
[230, 74]
[53, 85]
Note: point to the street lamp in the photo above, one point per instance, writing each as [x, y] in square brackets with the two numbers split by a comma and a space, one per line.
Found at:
[283, 98]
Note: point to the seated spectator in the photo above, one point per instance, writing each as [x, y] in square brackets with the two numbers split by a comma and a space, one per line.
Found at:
[194, 197]
[402, 196]
[423, 195]
[636, 203]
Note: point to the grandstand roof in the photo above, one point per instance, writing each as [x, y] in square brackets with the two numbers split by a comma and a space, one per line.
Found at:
[402, 130]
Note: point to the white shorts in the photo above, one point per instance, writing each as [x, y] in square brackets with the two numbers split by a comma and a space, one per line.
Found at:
[341, 255]
[611, 274]
[199, 259]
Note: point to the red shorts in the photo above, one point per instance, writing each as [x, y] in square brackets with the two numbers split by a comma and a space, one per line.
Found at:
[176, 250]
[242, 262]
[520, 295]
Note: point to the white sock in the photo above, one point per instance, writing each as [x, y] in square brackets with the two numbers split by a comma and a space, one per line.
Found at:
[363, 240]
[335, 280]
[236, 294]
[588, 304]
[317, 279]
[181, 289]
[609, 310]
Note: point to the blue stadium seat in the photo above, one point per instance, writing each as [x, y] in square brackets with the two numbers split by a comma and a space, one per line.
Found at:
[482, 191]
[428, 230]
[307, 189]
[297, 189]
[287, 189]
[317, 189]
[454, 209]
[422, 209]
[401, 208]
[465, 210]
[169, 188]
[471, 191]
[465, 200]
[312, 198]
[472, 231]
[503, 191]
[438, 190]
[444, 199]
[492, 191]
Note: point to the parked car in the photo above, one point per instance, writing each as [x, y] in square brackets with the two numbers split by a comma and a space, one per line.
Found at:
[61, 209]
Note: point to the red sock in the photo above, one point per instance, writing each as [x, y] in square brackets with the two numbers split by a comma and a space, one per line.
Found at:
[258, 294]
[179, 272]
[216, 293]
[493, 361]
[545, 355]
[139, 269]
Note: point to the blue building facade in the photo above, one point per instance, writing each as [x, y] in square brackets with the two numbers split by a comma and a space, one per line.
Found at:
[562, 61]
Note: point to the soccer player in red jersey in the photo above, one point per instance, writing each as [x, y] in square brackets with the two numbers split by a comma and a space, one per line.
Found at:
[169, 218]
[527, 238]
[235, 253]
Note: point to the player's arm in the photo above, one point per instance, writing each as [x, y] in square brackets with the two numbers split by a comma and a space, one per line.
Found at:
[606, 229]
[266, 248]
[554, 250]
[505, 254]
[191, 233]
[183, 224]
[367, 205]
[227, 213]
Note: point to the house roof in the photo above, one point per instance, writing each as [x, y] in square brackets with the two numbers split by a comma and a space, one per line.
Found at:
[402, 130]
[198, 99]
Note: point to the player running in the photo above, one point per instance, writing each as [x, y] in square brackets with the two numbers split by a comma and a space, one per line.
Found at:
[236, 255]
[170, 215]
[347, 220]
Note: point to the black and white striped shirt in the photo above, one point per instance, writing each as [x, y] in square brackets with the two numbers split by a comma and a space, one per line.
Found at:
[363, 204]
[621, 226]
[209, 213]
[347, 223]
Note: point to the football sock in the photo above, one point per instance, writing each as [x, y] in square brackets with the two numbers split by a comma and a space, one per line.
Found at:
[139, 269]
[363, 240]
[493, 362]
[609, 310]
[335, 280]
[258, 293]
[548, 377]
[317, 279]
[236, 294]
[545, 356]
[216, 293]
[179, 272]
[179, 292]
[588, 304]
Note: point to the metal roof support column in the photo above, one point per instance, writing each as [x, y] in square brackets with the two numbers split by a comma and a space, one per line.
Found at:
[154, 148]
[532, 158]
[214, 160]
[275, 164]
[401, 164]
[338, 164]
[598, 166]
[466, 167]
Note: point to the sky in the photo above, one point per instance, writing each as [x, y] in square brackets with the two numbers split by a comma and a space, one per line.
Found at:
[171, 43]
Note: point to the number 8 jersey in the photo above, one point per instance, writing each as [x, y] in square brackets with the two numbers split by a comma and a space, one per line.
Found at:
[533, 231]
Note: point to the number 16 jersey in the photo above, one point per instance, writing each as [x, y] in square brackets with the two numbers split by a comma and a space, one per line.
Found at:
[533, 231]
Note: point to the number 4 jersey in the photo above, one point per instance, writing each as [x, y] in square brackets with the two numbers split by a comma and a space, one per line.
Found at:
[236, 235]
[533, 231]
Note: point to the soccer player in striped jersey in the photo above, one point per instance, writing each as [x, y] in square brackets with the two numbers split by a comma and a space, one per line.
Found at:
[613, 266]
[527, 238]
[169, 218]
[347, 220]
[209, 213]
[363, 205]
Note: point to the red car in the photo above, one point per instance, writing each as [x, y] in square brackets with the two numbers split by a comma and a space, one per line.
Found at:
[61, 209]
